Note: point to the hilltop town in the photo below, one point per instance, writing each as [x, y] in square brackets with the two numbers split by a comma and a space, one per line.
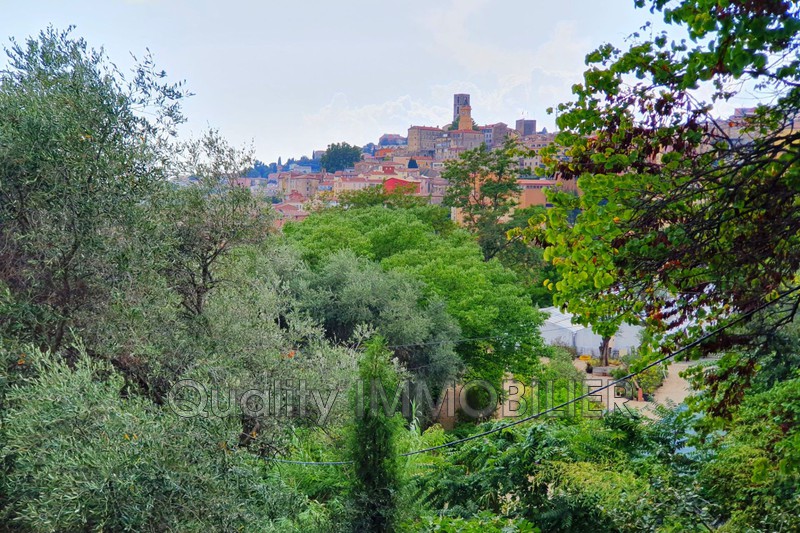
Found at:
[413, 162]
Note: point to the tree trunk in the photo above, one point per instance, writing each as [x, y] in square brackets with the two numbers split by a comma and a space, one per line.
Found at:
[605, 348]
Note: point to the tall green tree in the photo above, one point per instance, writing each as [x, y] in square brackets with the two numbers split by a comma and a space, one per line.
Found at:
[483, 185]
[373, 446]
[81, 147]
[340, 156]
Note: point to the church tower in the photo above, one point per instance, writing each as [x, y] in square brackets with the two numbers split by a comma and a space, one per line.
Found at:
[459, 100]
[465, 118]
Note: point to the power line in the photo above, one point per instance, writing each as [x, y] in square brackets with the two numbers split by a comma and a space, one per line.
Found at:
[588, 394]
[507, 337]
[309, 463]
[453, 341]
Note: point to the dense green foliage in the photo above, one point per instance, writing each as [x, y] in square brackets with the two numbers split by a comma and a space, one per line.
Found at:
[76, 159]
[349, 294]
[134, 284]
[572, 476]
[340, 156]
[682, 215]
[373, 449]
[495, 317]
[78, 457]
[482, 184]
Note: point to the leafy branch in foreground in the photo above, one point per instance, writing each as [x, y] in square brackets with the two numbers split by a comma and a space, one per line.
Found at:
[683, 219]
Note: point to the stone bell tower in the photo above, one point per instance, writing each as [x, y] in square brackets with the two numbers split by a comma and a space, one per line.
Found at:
[459, 100]
[465, 118]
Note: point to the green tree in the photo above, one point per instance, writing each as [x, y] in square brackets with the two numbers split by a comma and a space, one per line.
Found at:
[682, 216]
[78, 456]
[349, 293]
[573, 475]
[485, 298]
[497, 320]
[208, 219]
[373, 445]
[754, 466]
[81, 147]
[527, 260]
[373, 233]
[482, 184]
[400, 197]
[340, 156]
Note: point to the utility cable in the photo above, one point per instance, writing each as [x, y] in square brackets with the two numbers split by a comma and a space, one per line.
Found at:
[588, 394]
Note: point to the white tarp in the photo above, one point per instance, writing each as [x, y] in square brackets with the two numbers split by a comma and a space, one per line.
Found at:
[559, 330]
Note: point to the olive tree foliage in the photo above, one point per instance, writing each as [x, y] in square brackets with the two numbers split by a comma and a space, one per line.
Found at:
[684, 218]
[349, 295]
[81, 145]
[210, 217]
[113, 434]
[258, 339]
[78, 457]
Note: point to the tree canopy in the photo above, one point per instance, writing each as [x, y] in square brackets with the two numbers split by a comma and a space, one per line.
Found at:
[81, 145]
[483, 185]
[340, 156]
[484, 297]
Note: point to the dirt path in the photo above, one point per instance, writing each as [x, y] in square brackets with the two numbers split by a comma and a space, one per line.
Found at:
[674, 389]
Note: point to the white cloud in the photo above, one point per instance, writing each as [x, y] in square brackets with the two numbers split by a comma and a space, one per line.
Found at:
[340, 120]
[512, 80]
[504, 83]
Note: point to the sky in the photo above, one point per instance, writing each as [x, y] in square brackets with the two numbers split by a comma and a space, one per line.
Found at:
[292, 77]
